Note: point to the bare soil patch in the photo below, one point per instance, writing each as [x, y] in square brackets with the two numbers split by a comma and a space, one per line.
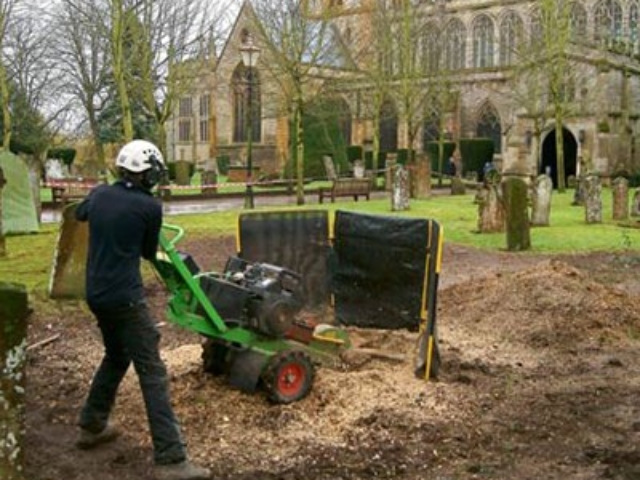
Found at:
[540, 380]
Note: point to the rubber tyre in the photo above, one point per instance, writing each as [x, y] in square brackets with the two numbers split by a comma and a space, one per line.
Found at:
[288, 376]
[215, 357]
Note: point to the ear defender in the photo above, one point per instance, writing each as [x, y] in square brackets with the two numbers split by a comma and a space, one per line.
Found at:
[152, 176]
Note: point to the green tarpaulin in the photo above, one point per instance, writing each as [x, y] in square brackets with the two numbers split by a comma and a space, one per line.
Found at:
[19, 214]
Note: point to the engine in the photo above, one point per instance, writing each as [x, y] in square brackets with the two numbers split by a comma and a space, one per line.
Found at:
[259, 296]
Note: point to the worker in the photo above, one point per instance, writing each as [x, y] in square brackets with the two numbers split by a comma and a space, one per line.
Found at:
[124, 225]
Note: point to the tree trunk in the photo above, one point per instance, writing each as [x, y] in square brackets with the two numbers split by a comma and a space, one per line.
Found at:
[299, 153]
[13, 347]
[3, 247]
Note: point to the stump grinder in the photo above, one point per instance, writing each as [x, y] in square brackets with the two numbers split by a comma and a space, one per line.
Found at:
[248, 315]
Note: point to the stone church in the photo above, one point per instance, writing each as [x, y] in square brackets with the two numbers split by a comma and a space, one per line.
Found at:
[479, 41]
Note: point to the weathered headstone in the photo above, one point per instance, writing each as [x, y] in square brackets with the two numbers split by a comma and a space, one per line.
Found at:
[358, 169]
[421, 178]
[329, 167]
[593, 199]
[457, 186]
[515, 195]
[69, 264]
[183, 169]
[14, 310]
[490, 209]
[635, 203]
[620, 191]
[400, 192]
[541, 201]
[3, 246]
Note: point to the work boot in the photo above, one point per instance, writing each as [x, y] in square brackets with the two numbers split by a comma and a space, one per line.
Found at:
[181, 471]
[88, 440]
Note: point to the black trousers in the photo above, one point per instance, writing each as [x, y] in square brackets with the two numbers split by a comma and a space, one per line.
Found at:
[130, 336]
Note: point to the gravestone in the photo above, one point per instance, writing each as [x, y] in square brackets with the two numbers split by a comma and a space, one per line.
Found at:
[14, 310]
[593, 199]
[635, 203]
[515, 195]
[541, 201]
[358, 169]
[183, 170]
[400, 192]
[3, 246]
[69, 264]
[329, 167]
[421, 178]
[457, 186]
[490, 209]
[19, 212]
[620, 191]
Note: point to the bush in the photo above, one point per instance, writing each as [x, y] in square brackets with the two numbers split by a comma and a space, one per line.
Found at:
[432, 151]
[223, 164]
[354, 152]
[66, 154]
[634, 179]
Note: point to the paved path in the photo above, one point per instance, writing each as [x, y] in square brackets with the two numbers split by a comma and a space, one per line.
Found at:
[218, 204]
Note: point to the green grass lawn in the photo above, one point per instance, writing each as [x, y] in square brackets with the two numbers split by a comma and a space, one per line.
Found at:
[29, 257]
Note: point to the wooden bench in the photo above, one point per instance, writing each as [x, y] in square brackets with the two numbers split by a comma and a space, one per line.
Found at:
[346, 187]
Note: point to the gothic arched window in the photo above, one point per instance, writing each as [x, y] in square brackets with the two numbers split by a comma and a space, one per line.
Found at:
[483, 37]
[608, 20]
[455, 45]
[578, 22]
[511, 31]
[489, 126]
[536, 33]
[245, 84]
[431, 49]
[634, 13]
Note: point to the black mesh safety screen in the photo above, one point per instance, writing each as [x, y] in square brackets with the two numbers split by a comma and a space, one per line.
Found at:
[297, 240]
[385, 270]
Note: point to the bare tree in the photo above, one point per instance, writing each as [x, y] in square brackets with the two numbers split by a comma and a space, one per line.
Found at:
[83, 57]
[174, 41]
[300, 43]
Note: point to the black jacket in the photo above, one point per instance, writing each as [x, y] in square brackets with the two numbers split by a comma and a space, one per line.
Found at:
[124, 225]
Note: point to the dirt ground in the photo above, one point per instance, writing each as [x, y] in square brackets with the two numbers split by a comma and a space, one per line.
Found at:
[540, 380]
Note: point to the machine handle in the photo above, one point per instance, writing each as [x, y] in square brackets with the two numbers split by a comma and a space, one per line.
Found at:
[177, 231]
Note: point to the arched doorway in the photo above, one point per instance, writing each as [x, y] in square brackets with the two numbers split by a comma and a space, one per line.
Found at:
[549, 159]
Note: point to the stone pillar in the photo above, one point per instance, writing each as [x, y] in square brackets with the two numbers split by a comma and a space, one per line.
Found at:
[421, 178]
[541, 201]
[593, 199]
[3, 247]
[13, 350]
[490, 209]
[515, 195]
[635, 203]
[620, 190]
[400, 190]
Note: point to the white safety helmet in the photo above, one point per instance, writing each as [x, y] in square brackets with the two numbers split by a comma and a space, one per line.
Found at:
[139, 156]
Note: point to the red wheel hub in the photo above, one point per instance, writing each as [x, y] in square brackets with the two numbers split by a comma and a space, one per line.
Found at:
[291, 379]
